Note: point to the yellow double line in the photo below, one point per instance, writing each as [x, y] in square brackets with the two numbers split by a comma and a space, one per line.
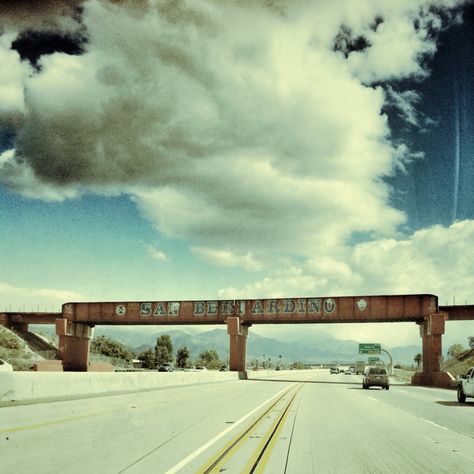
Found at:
[43, 424]
[58, 421]
[258, 459]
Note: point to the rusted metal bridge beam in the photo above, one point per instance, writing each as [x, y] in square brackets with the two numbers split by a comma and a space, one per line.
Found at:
[459, 312]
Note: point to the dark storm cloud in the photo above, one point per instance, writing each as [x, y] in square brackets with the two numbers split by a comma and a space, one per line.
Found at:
[43, 27]
[31, 45]
[31, 14]
[346, 43]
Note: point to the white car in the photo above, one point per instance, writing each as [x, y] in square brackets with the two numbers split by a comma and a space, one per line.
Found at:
[466, 386]
[5, 366]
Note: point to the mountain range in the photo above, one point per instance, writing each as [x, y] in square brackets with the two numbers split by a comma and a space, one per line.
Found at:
[307, 348]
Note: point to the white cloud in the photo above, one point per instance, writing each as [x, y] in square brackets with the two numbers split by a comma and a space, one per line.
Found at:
[6, 156]
[12, 79]
[430, 261]
[405, 102]
[187, 84]
[227, 258]
[396, 46]
[21, 178]
[434, 261]
[44, 15]
[33, 299]
[394, 53]
[155, 253]
[237, 128]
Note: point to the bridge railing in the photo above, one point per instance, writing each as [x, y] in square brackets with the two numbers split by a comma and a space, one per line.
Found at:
[30, 308]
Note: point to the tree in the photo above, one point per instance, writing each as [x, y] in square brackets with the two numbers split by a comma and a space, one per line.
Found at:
[297, 365]
[148, 359]
[210, 359]
[110, 348]
[418, 359]
[163, 349]
[455, 350]
[182, 357]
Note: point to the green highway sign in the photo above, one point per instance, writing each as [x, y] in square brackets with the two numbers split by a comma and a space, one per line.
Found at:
[373, 359]
[369, 348]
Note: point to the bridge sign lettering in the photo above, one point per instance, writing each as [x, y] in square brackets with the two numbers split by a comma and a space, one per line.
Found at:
[159, 309]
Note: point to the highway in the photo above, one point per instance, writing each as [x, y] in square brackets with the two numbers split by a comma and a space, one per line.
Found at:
[293, 422]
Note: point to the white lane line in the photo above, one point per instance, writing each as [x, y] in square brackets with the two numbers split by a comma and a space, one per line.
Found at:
[198, 451]
[374, 399]
[435, 424]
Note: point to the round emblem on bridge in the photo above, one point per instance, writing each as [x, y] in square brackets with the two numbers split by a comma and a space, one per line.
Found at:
[362, 304]
[120, 310]
[329, 305]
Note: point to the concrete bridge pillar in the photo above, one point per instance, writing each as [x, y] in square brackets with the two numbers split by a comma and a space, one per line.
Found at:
[431, 331]
[238, 343]
[74, 342]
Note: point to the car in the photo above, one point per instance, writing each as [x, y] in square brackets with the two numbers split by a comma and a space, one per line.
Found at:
[348, 372]
[333, 370]
[375, 377]
[466, 386]
[166, 367]
[200, 368]
[5, 366]
[223, 368]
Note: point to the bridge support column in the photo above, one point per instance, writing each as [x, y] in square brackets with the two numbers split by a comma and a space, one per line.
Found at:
[74, 342]
[238, 343]
[431, 331]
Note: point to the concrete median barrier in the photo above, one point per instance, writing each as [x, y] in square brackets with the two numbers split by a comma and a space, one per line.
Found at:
[35, 386]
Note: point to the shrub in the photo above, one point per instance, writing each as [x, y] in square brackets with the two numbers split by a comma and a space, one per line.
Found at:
[9, 340]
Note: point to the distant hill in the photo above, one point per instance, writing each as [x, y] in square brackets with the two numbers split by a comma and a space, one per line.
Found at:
[304, 346]
[318, 348]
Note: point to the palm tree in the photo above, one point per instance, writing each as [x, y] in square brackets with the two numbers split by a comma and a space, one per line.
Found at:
[417, 359]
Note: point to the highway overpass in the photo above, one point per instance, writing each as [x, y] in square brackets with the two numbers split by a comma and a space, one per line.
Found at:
[74, 323]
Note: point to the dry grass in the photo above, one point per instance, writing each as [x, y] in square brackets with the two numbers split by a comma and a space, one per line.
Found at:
[458, 367]
[403, 375]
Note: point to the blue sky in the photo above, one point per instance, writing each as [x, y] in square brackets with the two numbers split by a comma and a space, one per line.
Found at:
[100, 245]
[427, 191]
[235, 151]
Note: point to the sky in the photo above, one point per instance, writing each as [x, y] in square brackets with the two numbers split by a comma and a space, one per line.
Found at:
[162, 150]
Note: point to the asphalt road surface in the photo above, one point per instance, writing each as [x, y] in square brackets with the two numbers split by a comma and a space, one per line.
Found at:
[303, 422]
